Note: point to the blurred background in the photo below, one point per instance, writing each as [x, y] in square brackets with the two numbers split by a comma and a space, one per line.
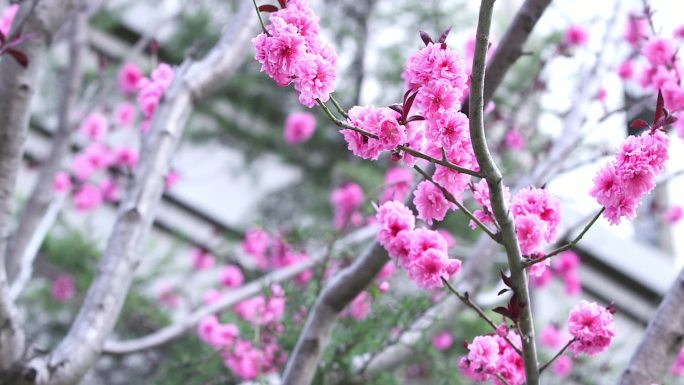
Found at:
[236, 172]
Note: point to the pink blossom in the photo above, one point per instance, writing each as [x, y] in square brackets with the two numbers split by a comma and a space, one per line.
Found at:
[436, 97]
[450, 241]
[206, 328]
[125, 114]
[94, 126]
[231, 277]
[202, 259]
[256, 243]
[110, 190]
[659, 51]
[346, 199]
[592, 327]
[384, 287]
[88, 197]
[542, 205]
[562, 366]
[315, 79]
[431, 202]
[514, 140]
[453, 181]
[573, 285]
[163, 75]
[442, 340]
[674, 214]
[678, 366]
[128, 78]
[280, 52]
[576, 36]
[393, 217]
[619, 185]
[566, 262]
[483, 356]
[212, 296]
[530, 230]
[63, 288]
[637, 29]
[398, 181]
[172, 178]
[481, 196]
[435, 62]
[126, 157]
[360, 307]
[62, 183]
[378, 121]
[7, 19]
[299, 127]
[626, 70]
[552, 337]
[428, 269]
[168, 296]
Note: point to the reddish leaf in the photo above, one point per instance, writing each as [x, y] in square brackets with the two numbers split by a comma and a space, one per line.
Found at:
[415, 118]
[2, 38]
[443, 36]
[506, 280]
[408, 103]
[638, 124]
[502, 291]
[268, 8]
[283, 3]
[660, 108]
[396, 107]
[425, 37]
[20, 57]
[503, 311]
[670, 120]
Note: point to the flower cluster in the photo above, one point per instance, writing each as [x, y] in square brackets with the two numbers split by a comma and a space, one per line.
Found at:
[592, 327]
[398, 182]
[99, 166]
[422, 252]
[620, 184]
[63, 288]
[537, 215]
[490, 355]
[565, 266]
[269, 252]
[291, 51]
[299, 127]
[346, 201]
[240, 355]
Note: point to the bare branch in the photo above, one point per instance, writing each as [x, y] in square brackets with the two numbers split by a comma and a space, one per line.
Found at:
[342, 289]
[510, 48]
[42, 195]
[17, 86]
[251, 289]
[661, 343]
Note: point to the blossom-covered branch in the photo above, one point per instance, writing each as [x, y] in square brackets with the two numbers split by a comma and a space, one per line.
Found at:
[177, 329]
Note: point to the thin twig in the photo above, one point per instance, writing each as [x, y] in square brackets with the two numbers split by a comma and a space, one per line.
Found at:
[567, 246]
[560, 353]
[339, 108]
[261, 21]
[453, 200]
[465, 298]
[502, 379]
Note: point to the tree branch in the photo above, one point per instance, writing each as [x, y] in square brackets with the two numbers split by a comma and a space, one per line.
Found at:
[42, 195]
[342, 289]
[171, 332]
[662, 341]
[510, 48]
[81, 347]
[495, 182]
[17, 86]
